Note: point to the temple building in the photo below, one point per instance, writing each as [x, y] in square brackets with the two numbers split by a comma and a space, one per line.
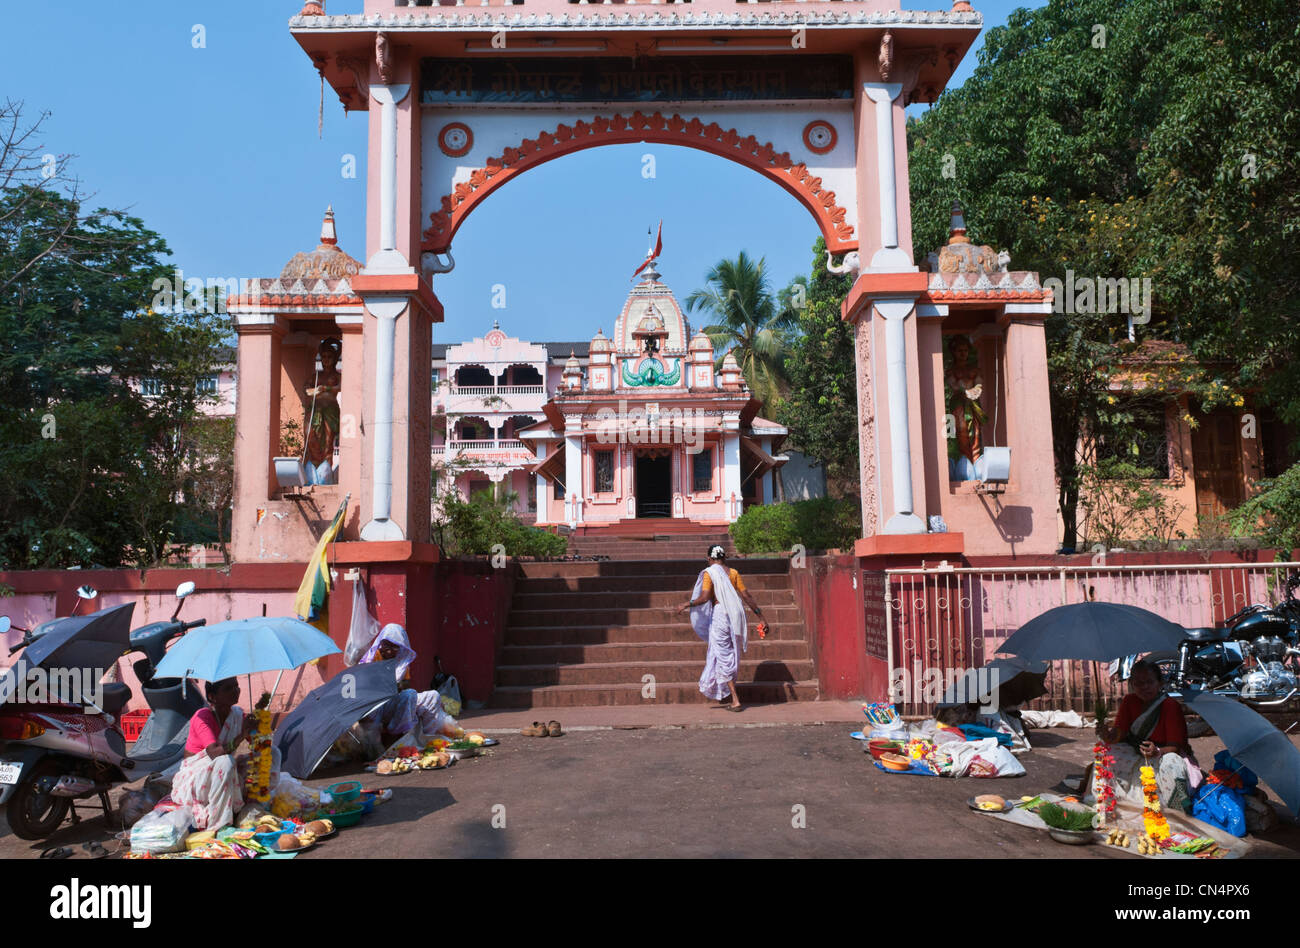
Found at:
[651, 427]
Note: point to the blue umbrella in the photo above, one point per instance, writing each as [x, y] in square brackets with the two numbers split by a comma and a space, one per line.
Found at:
[244, 647]
[1252, 739]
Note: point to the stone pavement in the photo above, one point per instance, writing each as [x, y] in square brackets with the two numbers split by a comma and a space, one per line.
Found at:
[698, 792]
[502, 721]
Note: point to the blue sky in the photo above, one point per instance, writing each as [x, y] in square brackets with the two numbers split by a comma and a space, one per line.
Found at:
[216, 148]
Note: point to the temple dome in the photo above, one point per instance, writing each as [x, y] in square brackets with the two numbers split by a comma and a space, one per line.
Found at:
[600, 342]
[700, 343]
[326, 262]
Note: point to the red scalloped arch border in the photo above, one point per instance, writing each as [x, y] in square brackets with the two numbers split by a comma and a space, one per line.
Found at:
[639, 127]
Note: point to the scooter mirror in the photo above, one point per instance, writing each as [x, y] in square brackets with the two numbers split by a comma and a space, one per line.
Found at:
[87, 592]
[184, 589]
[5, 624]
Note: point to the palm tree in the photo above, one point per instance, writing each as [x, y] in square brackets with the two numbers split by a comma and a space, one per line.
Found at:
[748, 321]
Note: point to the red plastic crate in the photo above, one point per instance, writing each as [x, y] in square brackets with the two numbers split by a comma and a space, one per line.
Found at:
[133, 723]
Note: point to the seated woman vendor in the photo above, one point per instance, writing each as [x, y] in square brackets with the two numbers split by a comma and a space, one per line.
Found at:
[1149, 731]
[208, 781]
[401, 713]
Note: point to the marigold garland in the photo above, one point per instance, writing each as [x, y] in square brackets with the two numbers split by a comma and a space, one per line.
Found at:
[1103, 782]
[257, 785]
[1156, 825]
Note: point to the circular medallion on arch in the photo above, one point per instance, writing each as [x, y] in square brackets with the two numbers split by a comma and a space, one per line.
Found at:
[455, 139]
[820, 136]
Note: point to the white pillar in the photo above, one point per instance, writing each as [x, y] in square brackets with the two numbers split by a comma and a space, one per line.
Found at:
[388, 259]
[769, 479]
[543, 489]
[895, 312]
[731, 465]
[890, 256]
[381, 527]
[573, 477]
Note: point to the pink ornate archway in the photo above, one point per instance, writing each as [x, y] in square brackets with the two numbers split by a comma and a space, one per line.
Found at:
[639, 127]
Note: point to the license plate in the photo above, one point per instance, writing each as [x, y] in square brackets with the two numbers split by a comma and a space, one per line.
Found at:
[9, 772]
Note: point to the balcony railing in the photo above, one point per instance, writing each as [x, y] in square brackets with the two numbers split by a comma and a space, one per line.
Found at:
[489, 390]
[454, 446]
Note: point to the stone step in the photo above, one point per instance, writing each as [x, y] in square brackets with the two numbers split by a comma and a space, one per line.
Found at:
[623, 673]
[670, 582]
[631, 615]
[687, 692]
[640, 598]
[640, 569]
[668, 650]
[621, 634]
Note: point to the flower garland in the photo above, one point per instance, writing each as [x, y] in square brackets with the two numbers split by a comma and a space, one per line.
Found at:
[257, 785]
[1103, 782]
[1155, 823]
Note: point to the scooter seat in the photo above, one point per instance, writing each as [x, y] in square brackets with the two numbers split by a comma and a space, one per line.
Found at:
[1207, 634]
[116, 697]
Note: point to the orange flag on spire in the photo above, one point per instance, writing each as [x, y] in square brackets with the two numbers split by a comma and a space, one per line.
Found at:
[659, 246]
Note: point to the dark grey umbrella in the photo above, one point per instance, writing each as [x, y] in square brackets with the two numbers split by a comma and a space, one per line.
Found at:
[1253, 740]
[1092, 631]
[306, 733]
[1003, 682]
[94, 641]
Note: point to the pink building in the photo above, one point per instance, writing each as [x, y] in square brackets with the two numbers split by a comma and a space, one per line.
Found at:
[649, 429]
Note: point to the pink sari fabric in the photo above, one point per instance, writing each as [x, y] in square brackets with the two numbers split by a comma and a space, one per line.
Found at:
[210, 787]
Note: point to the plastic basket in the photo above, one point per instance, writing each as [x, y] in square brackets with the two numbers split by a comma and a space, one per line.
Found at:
[133, 723]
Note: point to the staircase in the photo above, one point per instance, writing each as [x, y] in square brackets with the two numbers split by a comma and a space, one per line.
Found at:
[586, 633]
[651, 540]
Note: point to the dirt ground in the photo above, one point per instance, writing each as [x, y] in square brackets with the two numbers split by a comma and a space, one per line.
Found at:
[697, 792]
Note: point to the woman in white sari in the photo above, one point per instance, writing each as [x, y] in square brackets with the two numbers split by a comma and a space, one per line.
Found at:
[208, 781]
[408, 708]
[718, 618]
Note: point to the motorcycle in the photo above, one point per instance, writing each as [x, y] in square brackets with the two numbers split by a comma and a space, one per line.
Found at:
[1254, 657]
[56, 752]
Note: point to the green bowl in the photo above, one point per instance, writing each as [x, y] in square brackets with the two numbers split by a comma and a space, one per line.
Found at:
[349, 817]
[345, 792]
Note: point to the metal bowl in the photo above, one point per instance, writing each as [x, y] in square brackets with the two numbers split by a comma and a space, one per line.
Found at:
[1071, 837]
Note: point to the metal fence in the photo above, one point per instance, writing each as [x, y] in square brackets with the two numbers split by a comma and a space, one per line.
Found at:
[940, 621]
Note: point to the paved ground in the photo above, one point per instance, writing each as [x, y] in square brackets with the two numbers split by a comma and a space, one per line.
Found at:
[711, 791]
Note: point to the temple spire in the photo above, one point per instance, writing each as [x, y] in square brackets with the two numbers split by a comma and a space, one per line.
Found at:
[328, 235]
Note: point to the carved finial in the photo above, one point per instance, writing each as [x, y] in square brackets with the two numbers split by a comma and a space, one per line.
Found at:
[313, 8]
[328, 235]
[885, 60]
[957, 234]
[383, 58]
[961, 6]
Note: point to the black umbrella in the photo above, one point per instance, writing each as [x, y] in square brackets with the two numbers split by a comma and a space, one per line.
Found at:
[1092, 631]
[1003, 682]
[306, 733]
[95, 641]
[1253, 740]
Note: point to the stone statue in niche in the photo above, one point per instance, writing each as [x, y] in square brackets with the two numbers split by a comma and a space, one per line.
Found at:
[963, 386]
[323, 415]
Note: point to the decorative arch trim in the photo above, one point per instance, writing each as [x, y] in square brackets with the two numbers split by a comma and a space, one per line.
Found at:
[639, 127]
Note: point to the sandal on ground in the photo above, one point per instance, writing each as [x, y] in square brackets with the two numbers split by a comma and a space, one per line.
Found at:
[732, 707]
[538, 729]
[553, 728]
[94, 850]
[56, 852]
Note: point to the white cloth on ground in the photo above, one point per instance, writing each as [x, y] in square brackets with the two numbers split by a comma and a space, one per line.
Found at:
[1055, 719]
[723, 626]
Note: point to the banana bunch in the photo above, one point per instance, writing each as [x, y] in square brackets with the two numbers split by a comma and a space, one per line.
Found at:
[306, 837]
[401, 765]
[1148, 847]
[1117, 837]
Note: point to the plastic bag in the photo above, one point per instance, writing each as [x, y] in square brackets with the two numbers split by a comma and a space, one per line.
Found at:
[449, 694]
[291, 796]
[363, 629]
[161, 831]
[1220, 806]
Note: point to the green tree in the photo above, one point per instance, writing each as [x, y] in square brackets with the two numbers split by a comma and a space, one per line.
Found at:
[821, 406]
[1068, 146]
[93, 466]
[748, 321]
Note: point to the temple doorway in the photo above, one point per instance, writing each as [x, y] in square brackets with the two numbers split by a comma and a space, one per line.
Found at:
[654, 485]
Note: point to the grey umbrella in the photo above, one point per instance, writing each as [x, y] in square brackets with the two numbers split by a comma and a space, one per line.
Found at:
[1092, 631]
[1253, 740]
[306, 733]
[94, 641]
[1003, 682]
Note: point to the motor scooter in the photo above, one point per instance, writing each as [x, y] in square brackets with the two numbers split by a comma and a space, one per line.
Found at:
[56, 752]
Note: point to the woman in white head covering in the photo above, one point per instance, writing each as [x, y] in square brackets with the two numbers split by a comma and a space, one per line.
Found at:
[408, 708]
[718, 617]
